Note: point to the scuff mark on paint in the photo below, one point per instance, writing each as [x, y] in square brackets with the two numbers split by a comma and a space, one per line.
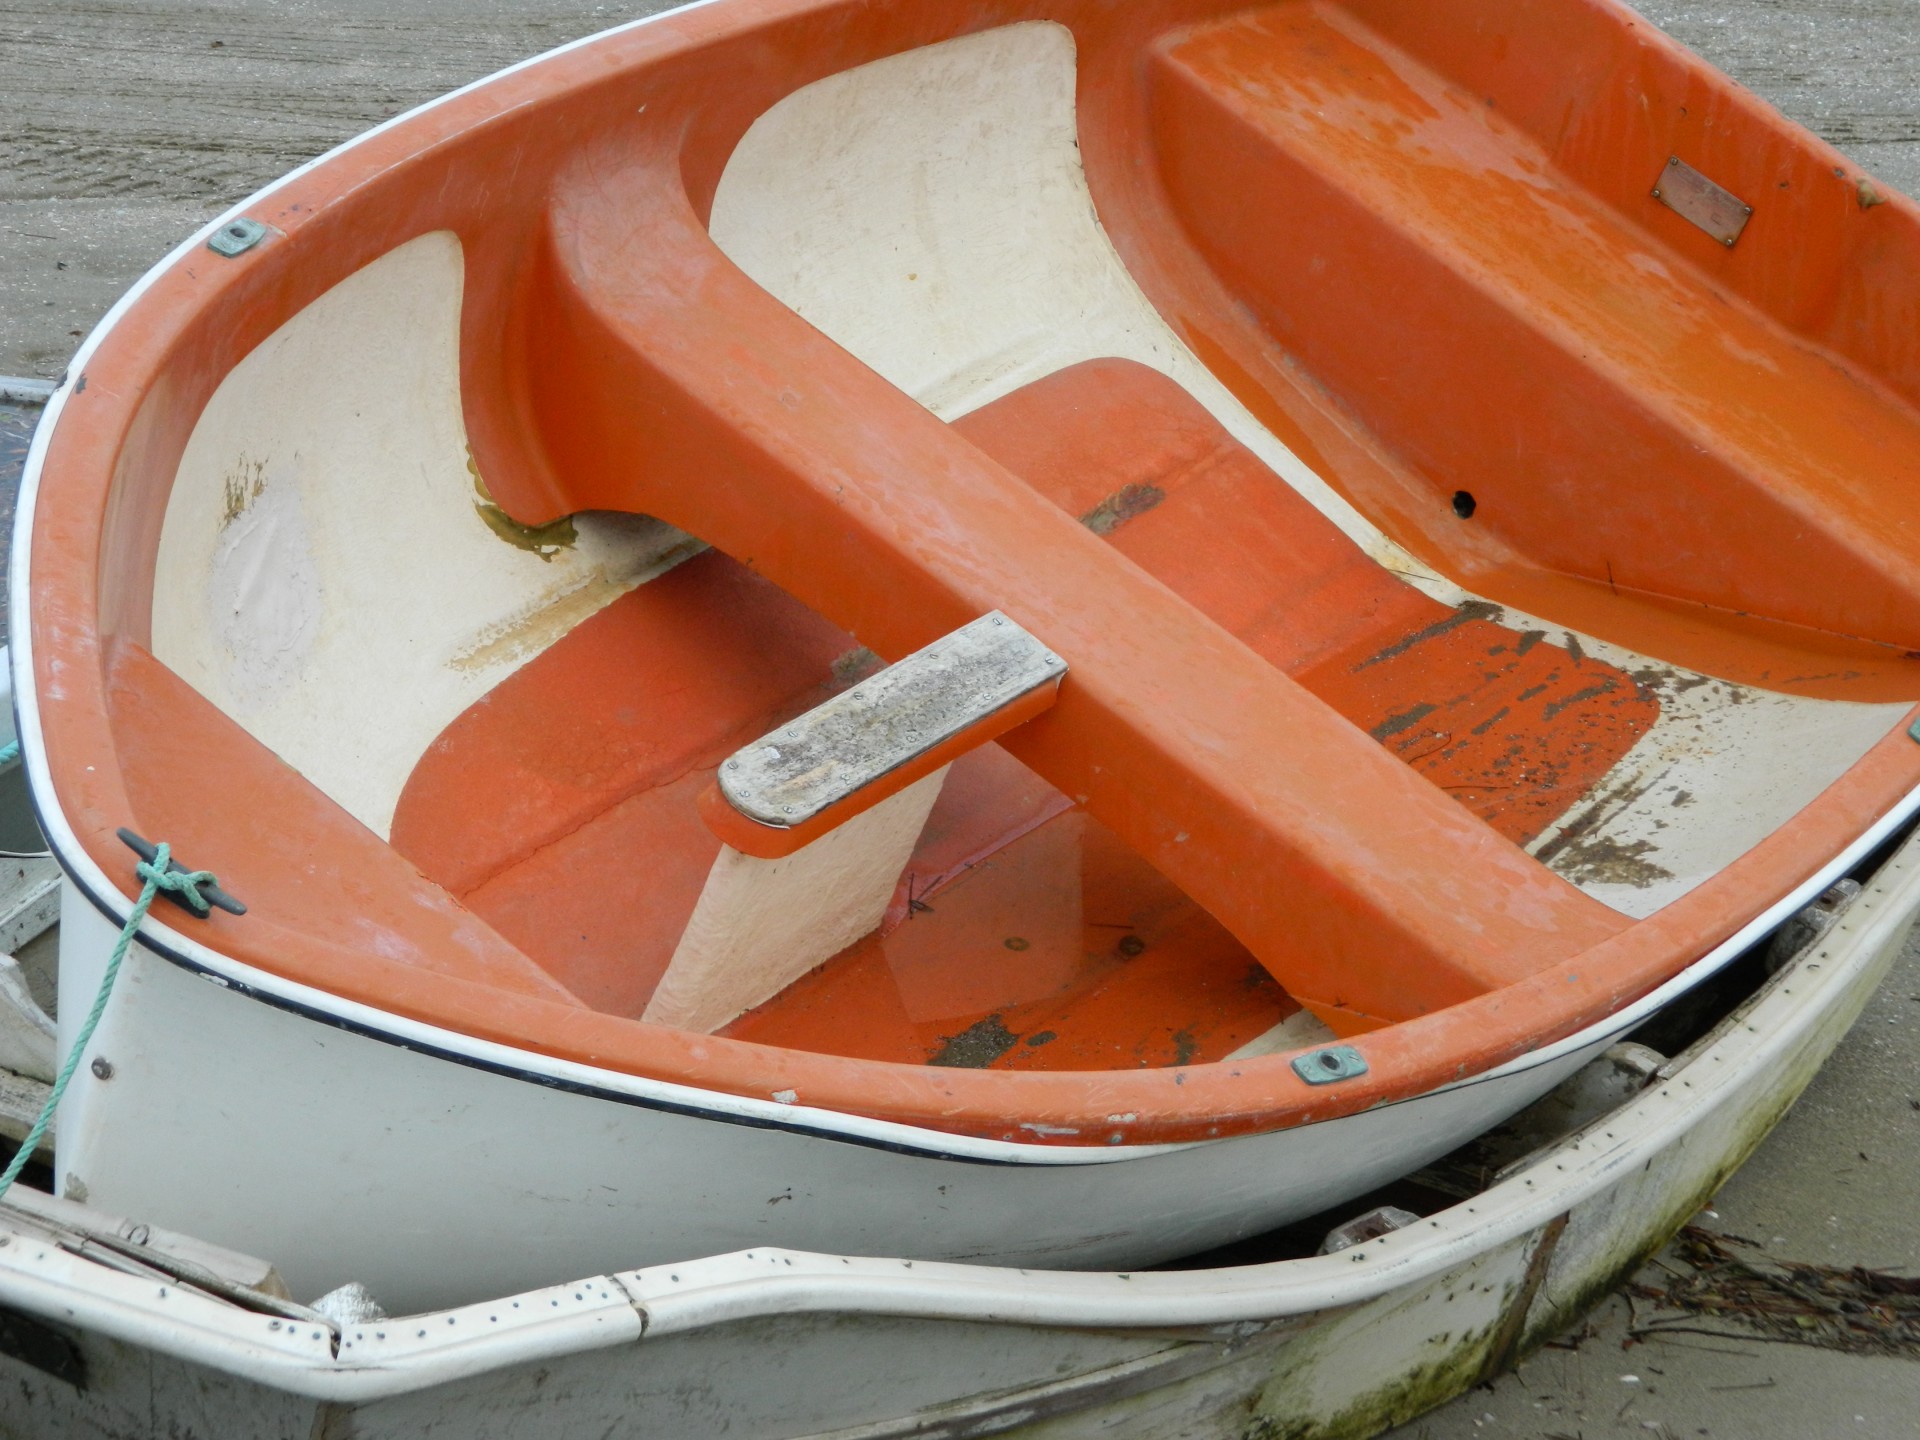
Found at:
[1121, 506]
[1394, 724]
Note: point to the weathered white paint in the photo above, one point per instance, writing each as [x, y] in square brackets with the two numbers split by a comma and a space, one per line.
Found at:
[26, 1031]
[326, 490]
[467, 1183]
[162, 1246]
[929, 212]
[760, 1342]
[759, 925]
[29, 895]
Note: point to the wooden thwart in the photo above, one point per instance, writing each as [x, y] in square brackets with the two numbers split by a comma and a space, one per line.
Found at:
[821, 816]
[848, 754]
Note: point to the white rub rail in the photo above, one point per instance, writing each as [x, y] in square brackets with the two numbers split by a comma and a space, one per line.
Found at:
[18, 390]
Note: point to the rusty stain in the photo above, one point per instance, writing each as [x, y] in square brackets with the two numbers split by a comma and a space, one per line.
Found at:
[1121, 506]
[552, 616]
[1185, 1047]
[856, 665]
[1506, 1342]
[533, 632]
[1869, 196]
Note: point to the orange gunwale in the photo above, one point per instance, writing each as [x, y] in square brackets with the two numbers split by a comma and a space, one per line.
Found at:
[123, 747]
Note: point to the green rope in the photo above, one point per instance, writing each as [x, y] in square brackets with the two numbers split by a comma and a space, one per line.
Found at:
[9, 752]
[158, 876]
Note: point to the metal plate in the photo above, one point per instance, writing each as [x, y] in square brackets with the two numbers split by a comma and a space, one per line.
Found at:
[236, 237]
[1324, 1067]
[1692, 196]
[885, 722]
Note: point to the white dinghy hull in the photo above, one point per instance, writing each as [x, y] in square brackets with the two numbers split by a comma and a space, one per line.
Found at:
[770, 1343]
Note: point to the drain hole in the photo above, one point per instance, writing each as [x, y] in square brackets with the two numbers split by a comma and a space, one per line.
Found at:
[1464, 504]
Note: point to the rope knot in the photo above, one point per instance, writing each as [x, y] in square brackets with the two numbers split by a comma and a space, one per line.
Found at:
[159, 873]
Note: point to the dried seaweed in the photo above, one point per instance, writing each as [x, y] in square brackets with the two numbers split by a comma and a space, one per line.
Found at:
[1731, 1281]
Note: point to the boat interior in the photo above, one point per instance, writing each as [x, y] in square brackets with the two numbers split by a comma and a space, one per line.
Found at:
[1457, 454]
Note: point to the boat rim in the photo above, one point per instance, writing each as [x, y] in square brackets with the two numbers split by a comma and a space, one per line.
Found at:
[646, 1092]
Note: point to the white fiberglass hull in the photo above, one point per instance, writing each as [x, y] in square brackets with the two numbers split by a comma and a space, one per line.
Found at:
[438, 1171]
[777, 1343]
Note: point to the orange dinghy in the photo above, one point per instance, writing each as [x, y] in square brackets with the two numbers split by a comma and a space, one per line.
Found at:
[1032, 630]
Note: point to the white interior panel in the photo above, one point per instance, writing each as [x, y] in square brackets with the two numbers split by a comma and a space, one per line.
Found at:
[327, 573]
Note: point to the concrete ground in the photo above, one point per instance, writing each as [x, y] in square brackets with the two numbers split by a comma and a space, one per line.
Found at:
[124, 124]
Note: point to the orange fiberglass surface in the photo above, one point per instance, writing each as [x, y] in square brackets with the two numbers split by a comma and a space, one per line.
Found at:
[1603, 375]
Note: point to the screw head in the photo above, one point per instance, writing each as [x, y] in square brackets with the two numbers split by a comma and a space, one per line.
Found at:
[102, 1068]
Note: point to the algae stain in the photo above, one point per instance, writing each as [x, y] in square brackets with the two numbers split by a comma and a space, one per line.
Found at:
[546, 541]
[245, 483]
[1603, 860]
